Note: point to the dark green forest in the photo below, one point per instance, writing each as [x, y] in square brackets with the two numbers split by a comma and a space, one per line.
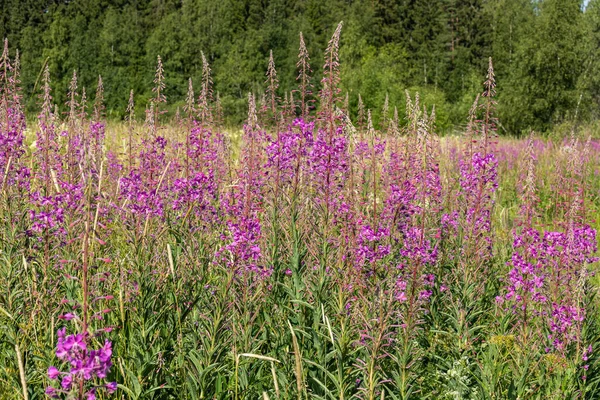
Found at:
[545, 52]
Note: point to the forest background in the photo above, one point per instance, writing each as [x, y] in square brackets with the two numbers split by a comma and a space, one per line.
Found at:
[546, 52]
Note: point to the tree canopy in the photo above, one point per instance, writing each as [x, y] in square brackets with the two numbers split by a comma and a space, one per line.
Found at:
[545, 51]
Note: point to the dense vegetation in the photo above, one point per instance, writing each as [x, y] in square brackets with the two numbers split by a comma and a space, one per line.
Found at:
[546, 52]
[308, 256]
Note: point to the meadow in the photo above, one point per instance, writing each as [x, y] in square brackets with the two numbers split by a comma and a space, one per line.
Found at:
[311, 254]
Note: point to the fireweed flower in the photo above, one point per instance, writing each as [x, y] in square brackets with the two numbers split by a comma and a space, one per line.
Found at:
[285, 154]
[198, 189]
[12, 137]
[94, 146]
[525, 288]
[84, 367]
[413, 211]
[141, 199]
[418, 247]
[198, 192]
[203, 148]
[413, 281]
[399, 207]
[563, 322]
[371, 246]
[243, 243]
[541, 285]
[48, 213]
[75, 157]
[53, 197]
[525, 291]
[566, 256]
[327, 167]
[47, 151]
[242, 205]
[408, 284]
[478, 182]
[114, 167]
[144, 191]
[153, 159]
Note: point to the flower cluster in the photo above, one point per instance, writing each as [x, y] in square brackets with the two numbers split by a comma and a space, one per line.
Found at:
[198, 192]
[242, 204]
[479, 172]
[563, 322]
[525, 281]
[327, 165]
[478, 182]
[546, 269]
[418, 248]
[85, 367]
[202, 150]
[371, 246]
[414, 287]
[47, 213]
[12, 138]
[139, 198]
[284, 155]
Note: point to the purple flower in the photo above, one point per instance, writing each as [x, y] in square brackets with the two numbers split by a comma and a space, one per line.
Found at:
[67, 316]
[198, 192]
[74, 343]
[478, 182]
[111, 387]
[66, 382]
[425, 294]
[586, 353]
[370, 248]
[91, 394]
[285, 155]
[401, 297]
[53, 373]
[85, 365]
[327, 166]
[52, 392]
[12, 140]
[540, 286]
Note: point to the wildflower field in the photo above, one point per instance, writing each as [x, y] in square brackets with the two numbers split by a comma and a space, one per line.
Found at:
[313, 254]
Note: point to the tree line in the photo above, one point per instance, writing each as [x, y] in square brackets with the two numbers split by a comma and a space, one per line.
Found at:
[545, 52]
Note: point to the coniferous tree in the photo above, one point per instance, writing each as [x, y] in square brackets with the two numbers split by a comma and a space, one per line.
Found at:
[544, 90]
[545, 51]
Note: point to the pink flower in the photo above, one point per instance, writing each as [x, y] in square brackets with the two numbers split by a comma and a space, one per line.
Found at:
[52, 392]
[66, 382]
[53, 373]
[67, 316]
[111, 387]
